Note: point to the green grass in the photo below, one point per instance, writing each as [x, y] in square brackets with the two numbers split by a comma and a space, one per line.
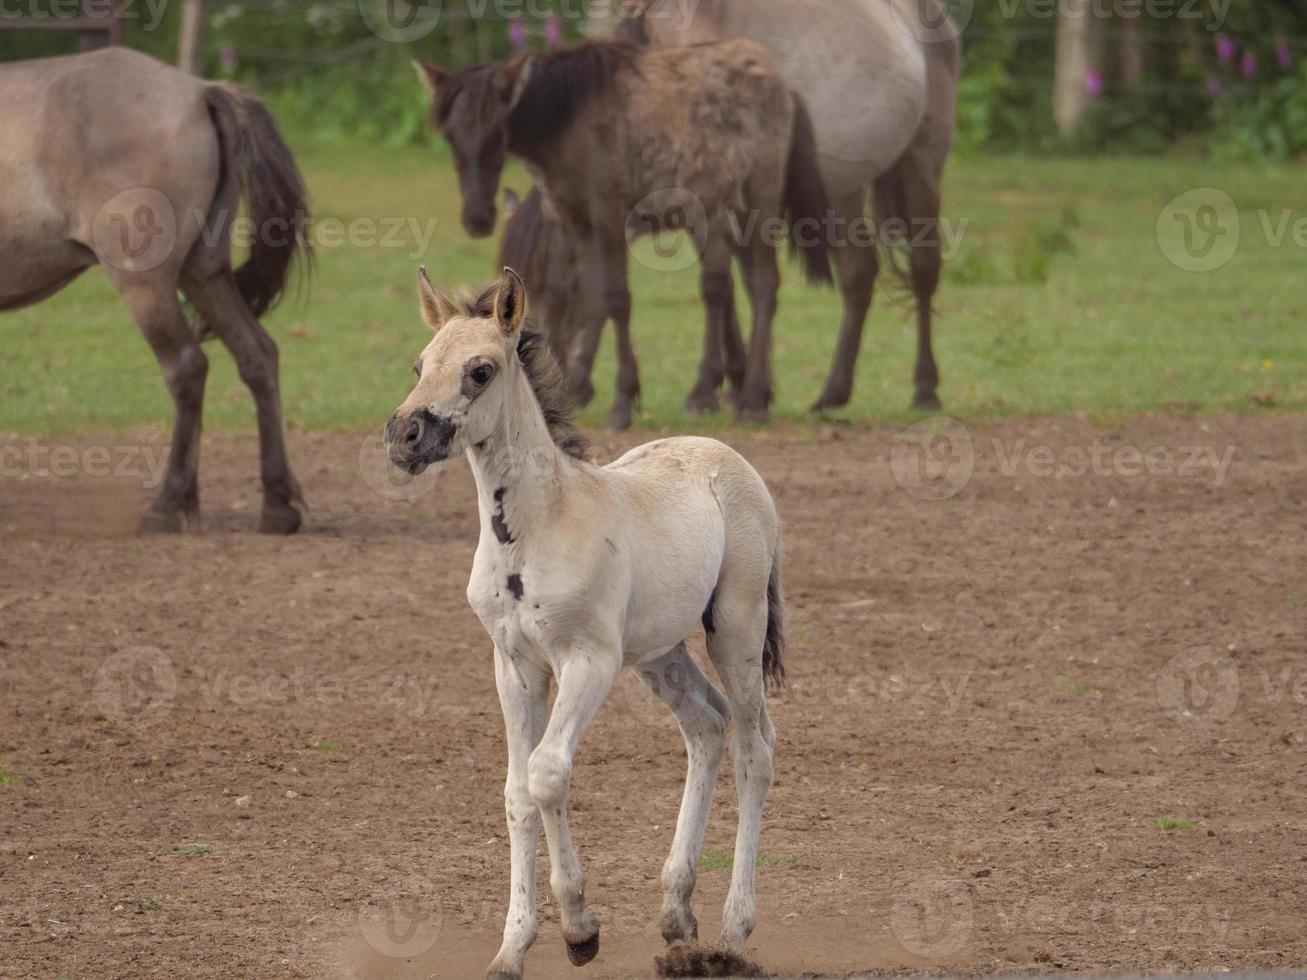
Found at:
[191, 850]
[714, 860]
[1058, 300]
[329, 745]
[7, 776]
[1174, 823]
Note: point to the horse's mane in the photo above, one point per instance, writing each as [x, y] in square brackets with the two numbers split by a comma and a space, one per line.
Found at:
[546, 378]
[559, 85]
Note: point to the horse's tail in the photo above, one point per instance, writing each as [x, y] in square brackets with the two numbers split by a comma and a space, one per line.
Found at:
[806, 205]
[773, 645]
[889, 204]
[257, 158]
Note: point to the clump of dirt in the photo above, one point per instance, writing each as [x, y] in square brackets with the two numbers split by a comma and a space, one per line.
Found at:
[698, 960]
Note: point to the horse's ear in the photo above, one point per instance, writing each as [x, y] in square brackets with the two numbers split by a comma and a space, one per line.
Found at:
[510, 303]
[429, 75]
[436, 307]
[512, 80]
[511, 202]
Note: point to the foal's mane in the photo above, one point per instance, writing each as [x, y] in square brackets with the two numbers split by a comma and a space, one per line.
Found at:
[559, 84]
[546, 378]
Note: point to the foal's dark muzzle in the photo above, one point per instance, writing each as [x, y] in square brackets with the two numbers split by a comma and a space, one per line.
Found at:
[415, 442]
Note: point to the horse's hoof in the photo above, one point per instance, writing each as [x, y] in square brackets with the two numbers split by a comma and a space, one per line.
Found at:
[746, 412]
[926, 401]
[619, 419]
[702, 402]
[159, 521]
[829, 401]
[583, 392]
[280, 519]
[679, 926]
[494, 974]
[583, 952]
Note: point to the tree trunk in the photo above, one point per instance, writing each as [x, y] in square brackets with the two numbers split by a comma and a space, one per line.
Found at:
[1071, 63]
[190, 40]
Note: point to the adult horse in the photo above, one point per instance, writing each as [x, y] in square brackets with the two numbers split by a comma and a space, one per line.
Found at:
[879, 78]
[114, 158]
[707, 138]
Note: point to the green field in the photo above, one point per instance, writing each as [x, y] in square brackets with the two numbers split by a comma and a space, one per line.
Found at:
[1059, 299]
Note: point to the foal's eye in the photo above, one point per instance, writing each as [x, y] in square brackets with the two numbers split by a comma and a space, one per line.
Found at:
[482, 373]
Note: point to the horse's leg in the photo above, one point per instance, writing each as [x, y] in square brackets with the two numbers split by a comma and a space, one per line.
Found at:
[701, 711]
[617, 294]
[523, 695]
[733, 344]
[583, 683]
[735, 647]
[157, 311]
[857, 263]
[919, 180]
[715, 287]
[255, 353]
[763, 279]
[587, 330]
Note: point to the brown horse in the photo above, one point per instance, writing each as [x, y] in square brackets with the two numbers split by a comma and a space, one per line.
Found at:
[707, 138]
[880, 79]
[114, 158]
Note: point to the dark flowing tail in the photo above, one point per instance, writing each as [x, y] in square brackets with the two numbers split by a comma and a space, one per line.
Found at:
[773, 646]
[807, 206]
[888, 204]
[255, 155]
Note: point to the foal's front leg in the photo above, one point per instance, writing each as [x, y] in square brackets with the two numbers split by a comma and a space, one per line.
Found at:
[583, 683]
[523, 694]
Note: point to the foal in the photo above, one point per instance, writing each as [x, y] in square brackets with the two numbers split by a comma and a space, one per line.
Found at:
[582, 570]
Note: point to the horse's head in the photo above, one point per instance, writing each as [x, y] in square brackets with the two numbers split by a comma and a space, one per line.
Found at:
[471, 108]
[462, 374]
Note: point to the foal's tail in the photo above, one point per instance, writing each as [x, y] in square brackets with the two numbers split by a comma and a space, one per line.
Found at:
[806, 204]
[255, 155]
[773, 646]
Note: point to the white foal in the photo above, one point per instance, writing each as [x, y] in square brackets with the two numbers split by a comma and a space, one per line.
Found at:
[584, 569]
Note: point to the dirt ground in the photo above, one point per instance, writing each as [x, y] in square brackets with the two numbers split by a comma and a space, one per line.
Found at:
[1013, 651]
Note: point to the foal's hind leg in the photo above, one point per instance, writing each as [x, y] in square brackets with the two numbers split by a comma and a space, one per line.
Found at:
[153, 302]
[701, 711]
[735, 647]
[857, 264]
[255, 353]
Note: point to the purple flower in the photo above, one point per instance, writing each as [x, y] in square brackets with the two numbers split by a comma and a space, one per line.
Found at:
[1093, 81]
[1213, 86]
[227, 57]
[517, 34]
[1224, 48]
[554, 31]
[1282, 53]
[1248, 65]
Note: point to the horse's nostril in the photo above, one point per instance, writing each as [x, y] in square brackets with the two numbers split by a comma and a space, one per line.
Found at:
[413, 432]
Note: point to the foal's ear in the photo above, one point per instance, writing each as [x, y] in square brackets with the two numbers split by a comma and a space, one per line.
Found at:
[512, 201]
[429, 75]
[436, 307]
[511, 80]
[510, 303]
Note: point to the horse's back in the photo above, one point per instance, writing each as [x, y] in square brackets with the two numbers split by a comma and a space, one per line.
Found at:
[79, 132]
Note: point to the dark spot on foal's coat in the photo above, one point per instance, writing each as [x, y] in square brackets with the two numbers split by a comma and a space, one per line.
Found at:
[515, 586]
[497, 523]
[709, 625]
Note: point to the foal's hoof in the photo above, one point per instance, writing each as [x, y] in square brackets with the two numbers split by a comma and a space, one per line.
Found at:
[679, 926]
[280, 519]
[926, 401]
[583, 952]
[161, 521]
[502, 975]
